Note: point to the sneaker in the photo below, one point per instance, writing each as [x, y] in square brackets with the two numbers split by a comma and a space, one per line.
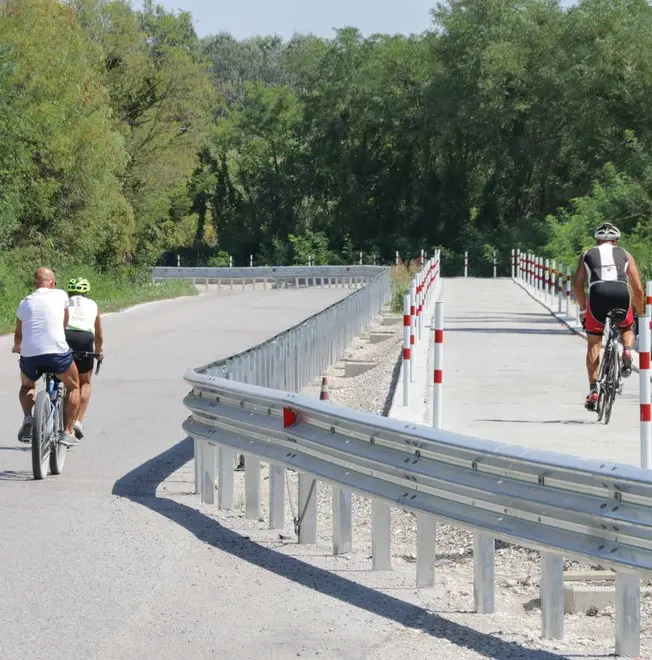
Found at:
[68, 439]
[78, 430]
[626, 363]
[591, 402]
[25, 433]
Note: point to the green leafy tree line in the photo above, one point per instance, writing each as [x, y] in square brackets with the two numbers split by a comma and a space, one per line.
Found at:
[127, 140]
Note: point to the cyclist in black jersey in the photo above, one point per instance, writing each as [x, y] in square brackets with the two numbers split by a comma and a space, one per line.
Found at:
[608, 269]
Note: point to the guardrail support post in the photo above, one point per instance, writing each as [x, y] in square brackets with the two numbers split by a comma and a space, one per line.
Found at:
[628, 615]
[552, 595]
[342, 534]
[252, 487]
[308, 508]
[483, 573]
[197, 453]
[209, 456]
[381, 536]
[276, 496]
[225, 493]
[426, 543]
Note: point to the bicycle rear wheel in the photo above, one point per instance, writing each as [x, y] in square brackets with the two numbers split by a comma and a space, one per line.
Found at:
[611, 387]
[41, 435]
[603, 381]
[58, 451]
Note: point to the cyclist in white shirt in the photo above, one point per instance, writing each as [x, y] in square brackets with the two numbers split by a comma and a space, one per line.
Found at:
[84, 330]
[41, 341]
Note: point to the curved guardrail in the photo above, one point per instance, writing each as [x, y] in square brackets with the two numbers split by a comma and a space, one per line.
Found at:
[558, 504]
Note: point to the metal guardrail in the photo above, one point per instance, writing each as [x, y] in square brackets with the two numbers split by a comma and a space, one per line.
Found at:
[558, 504]
[277, 276]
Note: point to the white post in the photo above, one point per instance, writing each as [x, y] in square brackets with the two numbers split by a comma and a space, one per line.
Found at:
[466, 264]
[426, 540]
[252, 488]
[420, 305]
[438, 376]
[230, 261]
[413, 320]
[361, 258]
[178, 261]
[560, 288]
[307, 505]
[515, 253]
[484, 573]
[553, 282]
[644, 341]
[546, 281]
[406, 349]
[568, 290]
[648, 298]
[276, 496]
[494, 264]
[397, 257]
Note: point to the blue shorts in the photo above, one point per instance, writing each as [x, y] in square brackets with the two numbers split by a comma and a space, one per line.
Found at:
[53, 363]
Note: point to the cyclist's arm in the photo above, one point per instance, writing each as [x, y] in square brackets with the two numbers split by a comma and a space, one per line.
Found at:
[637, 286]
[99, 333]
[578, 284]
[18, 336]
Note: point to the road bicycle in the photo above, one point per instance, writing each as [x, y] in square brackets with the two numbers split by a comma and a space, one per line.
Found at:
[610, 380]
[48, 425]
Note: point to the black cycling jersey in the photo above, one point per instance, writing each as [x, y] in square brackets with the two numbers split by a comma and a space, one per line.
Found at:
[606, 263]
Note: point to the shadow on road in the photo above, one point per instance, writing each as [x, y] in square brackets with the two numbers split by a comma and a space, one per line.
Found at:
[140, 486]
[540, 421]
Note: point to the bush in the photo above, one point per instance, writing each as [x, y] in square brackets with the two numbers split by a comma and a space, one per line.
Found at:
[402, 275]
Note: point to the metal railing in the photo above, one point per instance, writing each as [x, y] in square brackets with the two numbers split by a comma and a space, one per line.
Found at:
[277, 276]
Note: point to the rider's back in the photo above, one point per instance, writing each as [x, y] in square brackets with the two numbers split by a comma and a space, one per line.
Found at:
[42, 315]
[606, 263]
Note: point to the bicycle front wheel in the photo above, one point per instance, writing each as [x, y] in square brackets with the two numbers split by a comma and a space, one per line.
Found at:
[41, 435]
[58, 451]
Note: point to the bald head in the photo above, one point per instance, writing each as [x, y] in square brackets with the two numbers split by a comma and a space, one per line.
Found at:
[44, 277]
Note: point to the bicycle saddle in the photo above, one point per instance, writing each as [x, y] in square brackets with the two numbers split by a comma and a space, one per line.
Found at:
[618, 314]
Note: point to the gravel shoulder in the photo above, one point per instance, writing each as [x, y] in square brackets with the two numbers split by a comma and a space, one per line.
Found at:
[444, 621]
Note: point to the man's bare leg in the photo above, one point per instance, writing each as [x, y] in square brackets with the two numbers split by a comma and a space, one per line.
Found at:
[70, 378]
[26, 396]
[628, 343]
[594, 345]
[85, 394]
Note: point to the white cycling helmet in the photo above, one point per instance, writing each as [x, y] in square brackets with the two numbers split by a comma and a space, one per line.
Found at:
[607, 232]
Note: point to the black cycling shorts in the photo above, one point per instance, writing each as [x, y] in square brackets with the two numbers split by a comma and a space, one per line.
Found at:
[80, 340]
[603, 297]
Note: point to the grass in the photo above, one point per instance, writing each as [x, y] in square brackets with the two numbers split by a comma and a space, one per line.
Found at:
[112, 291]
[402, 274]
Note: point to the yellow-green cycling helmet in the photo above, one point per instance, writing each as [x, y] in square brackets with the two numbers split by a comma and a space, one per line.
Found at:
[78, 285]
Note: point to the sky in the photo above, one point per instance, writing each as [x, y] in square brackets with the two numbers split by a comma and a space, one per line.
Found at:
[247, 18]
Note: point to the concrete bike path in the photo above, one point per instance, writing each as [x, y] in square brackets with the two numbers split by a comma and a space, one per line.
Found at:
[86, 571]
[514, 373]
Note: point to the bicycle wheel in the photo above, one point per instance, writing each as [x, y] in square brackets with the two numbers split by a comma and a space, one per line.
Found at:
[41, 435]
[611, 391]
[58, 450]
[603, 381]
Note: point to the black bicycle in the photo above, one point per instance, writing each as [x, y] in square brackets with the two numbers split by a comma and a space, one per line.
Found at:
[610, 381]
[48, 425]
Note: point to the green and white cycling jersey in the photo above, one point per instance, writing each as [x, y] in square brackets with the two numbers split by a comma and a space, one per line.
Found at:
[83, 312]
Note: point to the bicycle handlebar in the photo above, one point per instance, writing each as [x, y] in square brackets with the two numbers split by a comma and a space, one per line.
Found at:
[80, 355]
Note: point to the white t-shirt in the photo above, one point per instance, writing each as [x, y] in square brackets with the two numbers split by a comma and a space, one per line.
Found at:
[42, 314]
[83, 312]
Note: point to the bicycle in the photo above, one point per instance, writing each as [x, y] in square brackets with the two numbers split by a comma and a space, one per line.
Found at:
[610, 381]
[48, 426]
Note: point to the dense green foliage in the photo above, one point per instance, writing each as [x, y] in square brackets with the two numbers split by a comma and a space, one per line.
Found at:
[509, 123]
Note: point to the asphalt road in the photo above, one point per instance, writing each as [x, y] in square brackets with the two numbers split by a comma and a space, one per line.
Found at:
[87, 571]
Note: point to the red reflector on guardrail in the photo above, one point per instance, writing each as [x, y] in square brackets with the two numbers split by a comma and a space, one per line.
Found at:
[289, 417]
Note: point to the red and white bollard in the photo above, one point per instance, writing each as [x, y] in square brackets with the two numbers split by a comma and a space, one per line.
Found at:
[494, 264]
[413, 319]
[419, 306]
[406, 348]
[560, 288]
[397, 257]
[438, 375]
[644, 340]
[648, 299]
[568, 290]
[546, 284]
[553, 281]
[466, 264]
